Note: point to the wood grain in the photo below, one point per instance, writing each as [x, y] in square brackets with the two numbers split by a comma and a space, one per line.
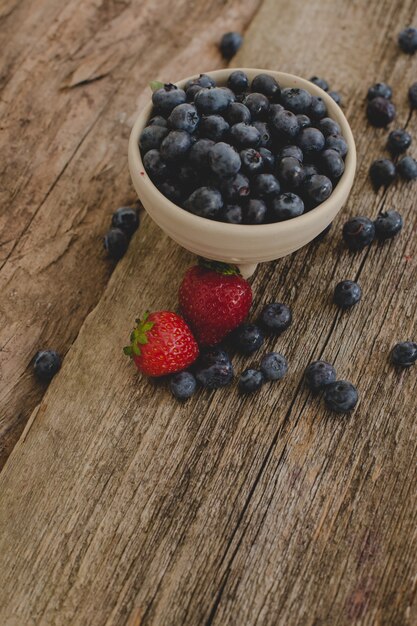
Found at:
[119, 506]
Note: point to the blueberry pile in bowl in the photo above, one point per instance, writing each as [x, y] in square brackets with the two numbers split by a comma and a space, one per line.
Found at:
[242, 153]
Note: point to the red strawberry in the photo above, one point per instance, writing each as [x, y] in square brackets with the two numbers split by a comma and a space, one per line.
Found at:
[162, 343]
[214, 299]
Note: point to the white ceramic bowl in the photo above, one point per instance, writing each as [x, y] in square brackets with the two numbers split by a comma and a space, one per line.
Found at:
[243, 245]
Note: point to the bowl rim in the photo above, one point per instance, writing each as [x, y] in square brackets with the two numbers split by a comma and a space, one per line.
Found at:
[338, 195]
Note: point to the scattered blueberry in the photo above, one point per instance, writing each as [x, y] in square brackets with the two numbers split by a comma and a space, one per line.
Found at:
[388, 224]
[332, 163]
[175, 145]
[319, 374]
[379, 90]
[267, 85]
[318, 188]
[232, 214]
[407, 168]
[266, 186]
[46, 364]
[347, 293]
[237, 112]
[230, 44]
[380, 112]
[276, 317]
[296, 100]
[205, 202]
[247, 338]
[238, 81]
[258, 105]
[250, 380]
[274, 366]
[329, 126]
[286, 206]
[407, 40]
[404, 353]
[412, 95]
[382, 173]
[398, 141]
[311, 141]
[151, 137]
[255, 212]
[116, 243]
[214, 369]
[341, 396]
[335, 95]
[320, 82]
[358, 233]
[183, 385]
[127, 219]
[224, 160]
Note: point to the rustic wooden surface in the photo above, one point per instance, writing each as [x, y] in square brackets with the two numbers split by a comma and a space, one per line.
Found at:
[117, 505]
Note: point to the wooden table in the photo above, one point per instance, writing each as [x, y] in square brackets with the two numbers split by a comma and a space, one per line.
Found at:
[117, 504]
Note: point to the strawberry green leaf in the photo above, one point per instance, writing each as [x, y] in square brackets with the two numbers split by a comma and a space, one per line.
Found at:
[155, 84]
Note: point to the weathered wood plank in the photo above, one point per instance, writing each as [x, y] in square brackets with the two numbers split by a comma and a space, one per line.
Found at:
[73, 73]
[121, 507]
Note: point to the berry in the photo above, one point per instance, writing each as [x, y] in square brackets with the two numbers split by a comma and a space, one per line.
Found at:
[382, 173]
[46, 364]
[238, 81]
[258, 105]
[213, 100]
[116, 243]
[412, 95]
[268, 159]
[318, 108]
[341, 396]
[175, 145]
[247, 338]
[291, 151]
[358, 233]
[274, 366]
[232, 214]
[276, 317]
[224, 160]
[151, 137]
[407, 168]
[329, 126]
[255, 212]
[158, 120]
[336, 142]
[311, 141]
[318, 188]
[303, 121]
[235, 188]
[250, 380]
[285, 125]
[379, 90]
[244, 136]
[214, 127]
[286, 206]
[380, 112]
[404, 353]
[154, 165]
[388, 224]
[215, 299]
[183, 385]
[127, 219]
[274, 109]
[238, 112]
[184, 117]
[266, 186]
[264, 133]
[170, 190]
[214, 369]
[347, 293]
[407, 40]
[167, 98]
[252, 161]
[320, 82]
[290, 172]
[230, 44]
[398, 141]
[162, 343]
[199, 153]
[335, 95]
[310, 170]
[205, 202]
[267, 85]
[332, 163]
[192, 91]
[296, 100]
[319, 374]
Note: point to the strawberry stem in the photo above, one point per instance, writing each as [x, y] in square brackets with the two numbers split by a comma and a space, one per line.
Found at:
[138, 336]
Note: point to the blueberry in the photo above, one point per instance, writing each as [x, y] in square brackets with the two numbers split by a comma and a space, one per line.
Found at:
[252, 161]
[380, 112]
[116, 243]
[268, 159]
[290, 172]
[192, 91]
[285, 125]
[319, 374]
[258, 105]
[341, 396]
[170, 190]
[286, 206]
[233, 189]
[412, 95]
[274, 366]
[407, 40]
[347, 293]
[187, 176]
[303, 121]
[199, 153]
[224, 160]
[214, 369]
[46, 364]
[318, 188]
[127, 219]
[318, 108]
[329, 126]
[335, 95]
[398, 141]
[276, 317]
[404, 353]
[250, 380]
[296, 100]
[379, 90]
[266, 84]
[154, 165]
[382, 173]
[310, 170]
[291, 151]
[232, 214]
[336, 142]
[407, 168]
[262, 128]
[332, 163]
[230, 44]
[388, 224]
[311, 141]
[244, 136]
[175, 145]
[213, 100]
[274, 108]
[358, 233]
[183, 385]
[266, 186]
[168, 97]
[237, 112]
[247, 338]
[255, 212]
[158, 120]
[151, 138]
[204, 80]
[184, 117]
[238, 81]
[320, 82]
[205, 202]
